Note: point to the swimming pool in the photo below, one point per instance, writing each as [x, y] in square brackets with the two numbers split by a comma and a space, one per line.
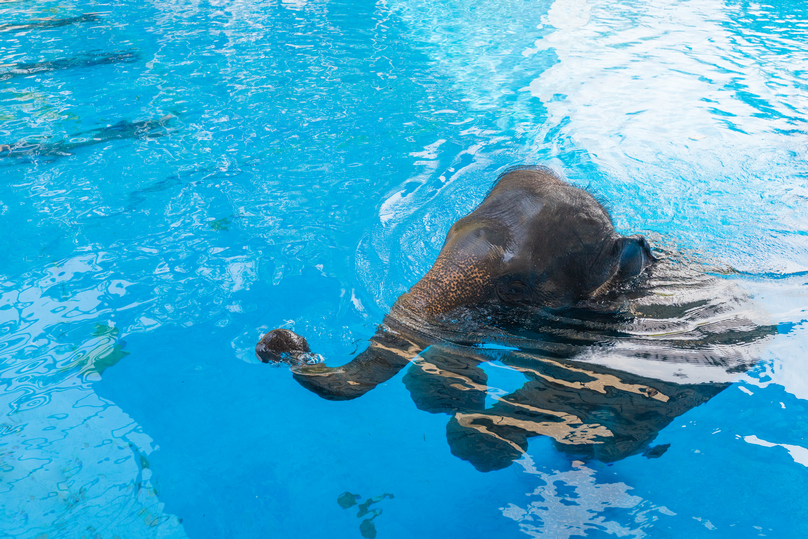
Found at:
[180, 177]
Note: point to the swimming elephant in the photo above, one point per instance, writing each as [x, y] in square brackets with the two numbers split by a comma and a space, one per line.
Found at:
[534, 240]
[537, 279]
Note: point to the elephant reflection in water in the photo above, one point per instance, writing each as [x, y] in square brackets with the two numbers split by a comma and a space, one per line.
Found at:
[589, 411]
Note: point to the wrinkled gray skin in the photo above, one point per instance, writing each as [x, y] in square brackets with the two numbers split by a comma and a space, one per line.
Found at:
[534, 240]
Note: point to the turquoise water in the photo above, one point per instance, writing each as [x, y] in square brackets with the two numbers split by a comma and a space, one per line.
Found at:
[180, 177]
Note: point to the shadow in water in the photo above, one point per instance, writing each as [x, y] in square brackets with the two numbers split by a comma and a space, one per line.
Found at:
[45, 24]
[588, 410]
[601, 379]
[121, 130]
[87, 59]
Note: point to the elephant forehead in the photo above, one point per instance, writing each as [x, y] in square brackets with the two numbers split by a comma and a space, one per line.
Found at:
[582, 236]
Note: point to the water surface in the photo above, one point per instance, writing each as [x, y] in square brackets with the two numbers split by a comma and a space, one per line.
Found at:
[180, 177]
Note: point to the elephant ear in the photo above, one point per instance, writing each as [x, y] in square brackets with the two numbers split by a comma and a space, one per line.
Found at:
[635, 255]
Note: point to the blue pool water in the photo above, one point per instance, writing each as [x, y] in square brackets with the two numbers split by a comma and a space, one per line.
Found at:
[177, 178]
